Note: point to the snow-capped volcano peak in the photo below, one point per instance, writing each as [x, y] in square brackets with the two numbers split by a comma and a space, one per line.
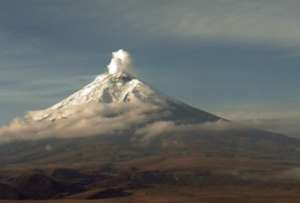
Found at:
[116, 86]
[113, 102]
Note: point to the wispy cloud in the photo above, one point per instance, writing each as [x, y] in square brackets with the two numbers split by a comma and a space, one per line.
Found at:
[277, 119]
[242, 20]
[160, 128]
[92, 119]
[274, 22]
[141, 120]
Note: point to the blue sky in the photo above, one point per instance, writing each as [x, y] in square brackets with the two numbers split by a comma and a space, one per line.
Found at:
[237, 58]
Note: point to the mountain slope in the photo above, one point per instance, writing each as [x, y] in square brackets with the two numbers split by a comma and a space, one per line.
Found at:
[119, 88]
[118, 117]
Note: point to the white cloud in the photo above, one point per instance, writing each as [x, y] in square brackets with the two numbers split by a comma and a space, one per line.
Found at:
[276, 119]
[160, 128]
[141, 119]
[120, 62]
[88, 120]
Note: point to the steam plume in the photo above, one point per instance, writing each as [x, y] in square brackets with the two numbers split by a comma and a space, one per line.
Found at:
[120, 62]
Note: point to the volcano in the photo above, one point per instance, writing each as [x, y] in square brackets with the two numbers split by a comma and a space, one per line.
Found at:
[119, 87]
[117, 116]
[119, 138]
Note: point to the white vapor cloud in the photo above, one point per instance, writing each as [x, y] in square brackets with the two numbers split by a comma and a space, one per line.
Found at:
[87, 120]
[280, 120]
[141, 119]
[120, 62]
[159, 128]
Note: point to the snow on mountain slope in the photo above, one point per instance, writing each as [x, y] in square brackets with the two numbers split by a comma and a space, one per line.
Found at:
[118, 85]
[115, 101]
[105, 89]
